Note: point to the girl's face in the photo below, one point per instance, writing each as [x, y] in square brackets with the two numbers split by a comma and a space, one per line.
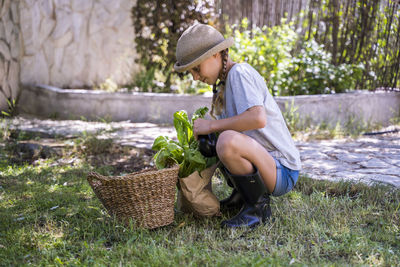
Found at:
[208, 70]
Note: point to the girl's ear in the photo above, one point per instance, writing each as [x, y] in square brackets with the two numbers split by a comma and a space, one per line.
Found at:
[217, 55]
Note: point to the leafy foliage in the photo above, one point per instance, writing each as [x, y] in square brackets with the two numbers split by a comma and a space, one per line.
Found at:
[184, 151]
[359, 32]
[340, 45]
[290, 64]
[311, 72]
[12, 108]
[266, 49]
[158, 26]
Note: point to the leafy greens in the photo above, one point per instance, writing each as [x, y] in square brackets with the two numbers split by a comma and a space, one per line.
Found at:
[184, 151]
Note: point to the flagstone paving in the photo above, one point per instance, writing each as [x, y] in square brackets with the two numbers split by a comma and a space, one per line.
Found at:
[367, 159]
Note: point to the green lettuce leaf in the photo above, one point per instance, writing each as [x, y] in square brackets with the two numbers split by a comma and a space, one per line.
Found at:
[184, 129]
[184, 151]
[200, 113]
[163, 159]
[160, 142]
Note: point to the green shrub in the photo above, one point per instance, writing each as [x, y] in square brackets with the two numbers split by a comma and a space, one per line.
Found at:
[289, 64]
[158, 26]
[266, 49]
[311, 72]
[355, 32]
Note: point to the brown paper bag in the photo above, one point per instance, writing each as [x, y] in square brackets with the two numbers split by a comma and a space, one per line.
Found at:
[195, 194]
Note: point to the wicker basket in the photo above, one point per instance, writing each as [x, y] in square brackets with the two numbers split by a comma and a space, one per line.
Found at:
[147, 197]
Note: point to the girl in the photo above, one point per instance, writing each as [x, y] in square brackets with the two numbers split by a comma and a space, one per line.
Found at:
[254, 144]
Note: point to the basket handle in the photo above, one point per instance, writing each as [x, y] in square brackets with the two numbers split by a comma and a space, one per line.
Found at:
[92, 177]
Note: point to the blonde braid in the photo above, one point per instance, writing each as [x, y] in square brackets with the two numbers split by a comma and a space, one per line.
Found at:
[218, 96]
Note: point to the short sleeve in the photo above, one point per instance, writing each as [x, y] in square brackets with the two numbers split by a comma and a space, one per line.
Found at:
[246, 91]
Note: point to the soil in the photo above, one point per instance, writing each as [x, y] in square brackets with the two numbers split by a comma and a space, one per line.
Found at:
[122, 159]
[128, 161]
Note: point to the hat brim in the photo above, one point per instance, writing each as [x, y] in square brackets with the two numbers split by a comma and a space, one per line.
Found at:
[219, 47]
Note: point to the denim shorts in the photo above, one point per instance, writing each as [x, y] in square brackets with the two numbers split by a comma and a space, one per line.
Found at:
[285, 179]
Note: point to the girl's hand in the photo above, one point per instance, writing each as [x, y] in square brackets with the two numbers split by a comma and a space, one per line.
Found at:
[253, 118]
[201, 126]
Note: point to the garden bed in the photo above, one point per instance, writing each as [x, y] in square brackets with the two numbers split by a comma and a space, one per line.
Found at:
[361, 106]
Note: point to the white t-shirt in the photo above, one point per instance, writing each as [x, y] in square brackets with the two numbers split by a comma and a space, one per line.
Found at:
[246, 88]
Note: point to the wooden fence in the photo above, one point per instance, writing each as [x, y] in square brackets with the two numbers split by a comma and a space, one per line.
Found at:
[259, 12]
[353, 31]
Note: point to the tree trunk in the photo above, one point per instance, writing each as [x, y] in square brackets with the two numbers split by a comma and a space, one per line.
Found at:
[335, 30]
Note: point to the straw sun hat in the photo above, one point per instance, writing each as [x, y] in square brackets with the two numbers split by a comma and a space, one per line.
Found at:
[198, 43]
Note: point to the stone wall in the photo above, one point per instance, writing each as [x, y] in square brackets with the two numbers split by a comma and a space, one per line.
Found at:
[10, 52]
[76, 43]
[360, 107]
[64, 43]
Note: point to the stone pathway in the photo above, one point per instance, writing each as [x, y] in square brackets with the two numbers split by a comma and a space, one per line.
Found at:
[368, 159]
[365, 159]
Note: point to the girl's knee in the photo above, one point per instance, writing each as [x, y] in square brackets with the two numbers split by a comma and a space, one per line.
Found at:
[227, 140]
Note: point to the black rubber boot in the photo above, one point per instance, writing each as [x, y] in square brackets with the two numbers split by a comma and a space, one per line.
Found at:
[234, 201]
[256, 208]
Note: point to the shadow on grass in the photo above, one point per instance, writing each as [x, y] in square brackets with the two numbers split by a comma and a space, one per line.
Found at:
[370, 194]
[49, 214]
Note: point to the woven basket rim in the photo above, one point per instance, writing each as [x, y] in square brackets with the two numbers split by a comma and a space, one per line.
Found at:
[134, 175]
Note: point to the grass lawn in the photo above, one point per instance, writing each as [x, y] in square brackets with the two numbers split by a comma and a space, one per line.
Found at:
[49, 215]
